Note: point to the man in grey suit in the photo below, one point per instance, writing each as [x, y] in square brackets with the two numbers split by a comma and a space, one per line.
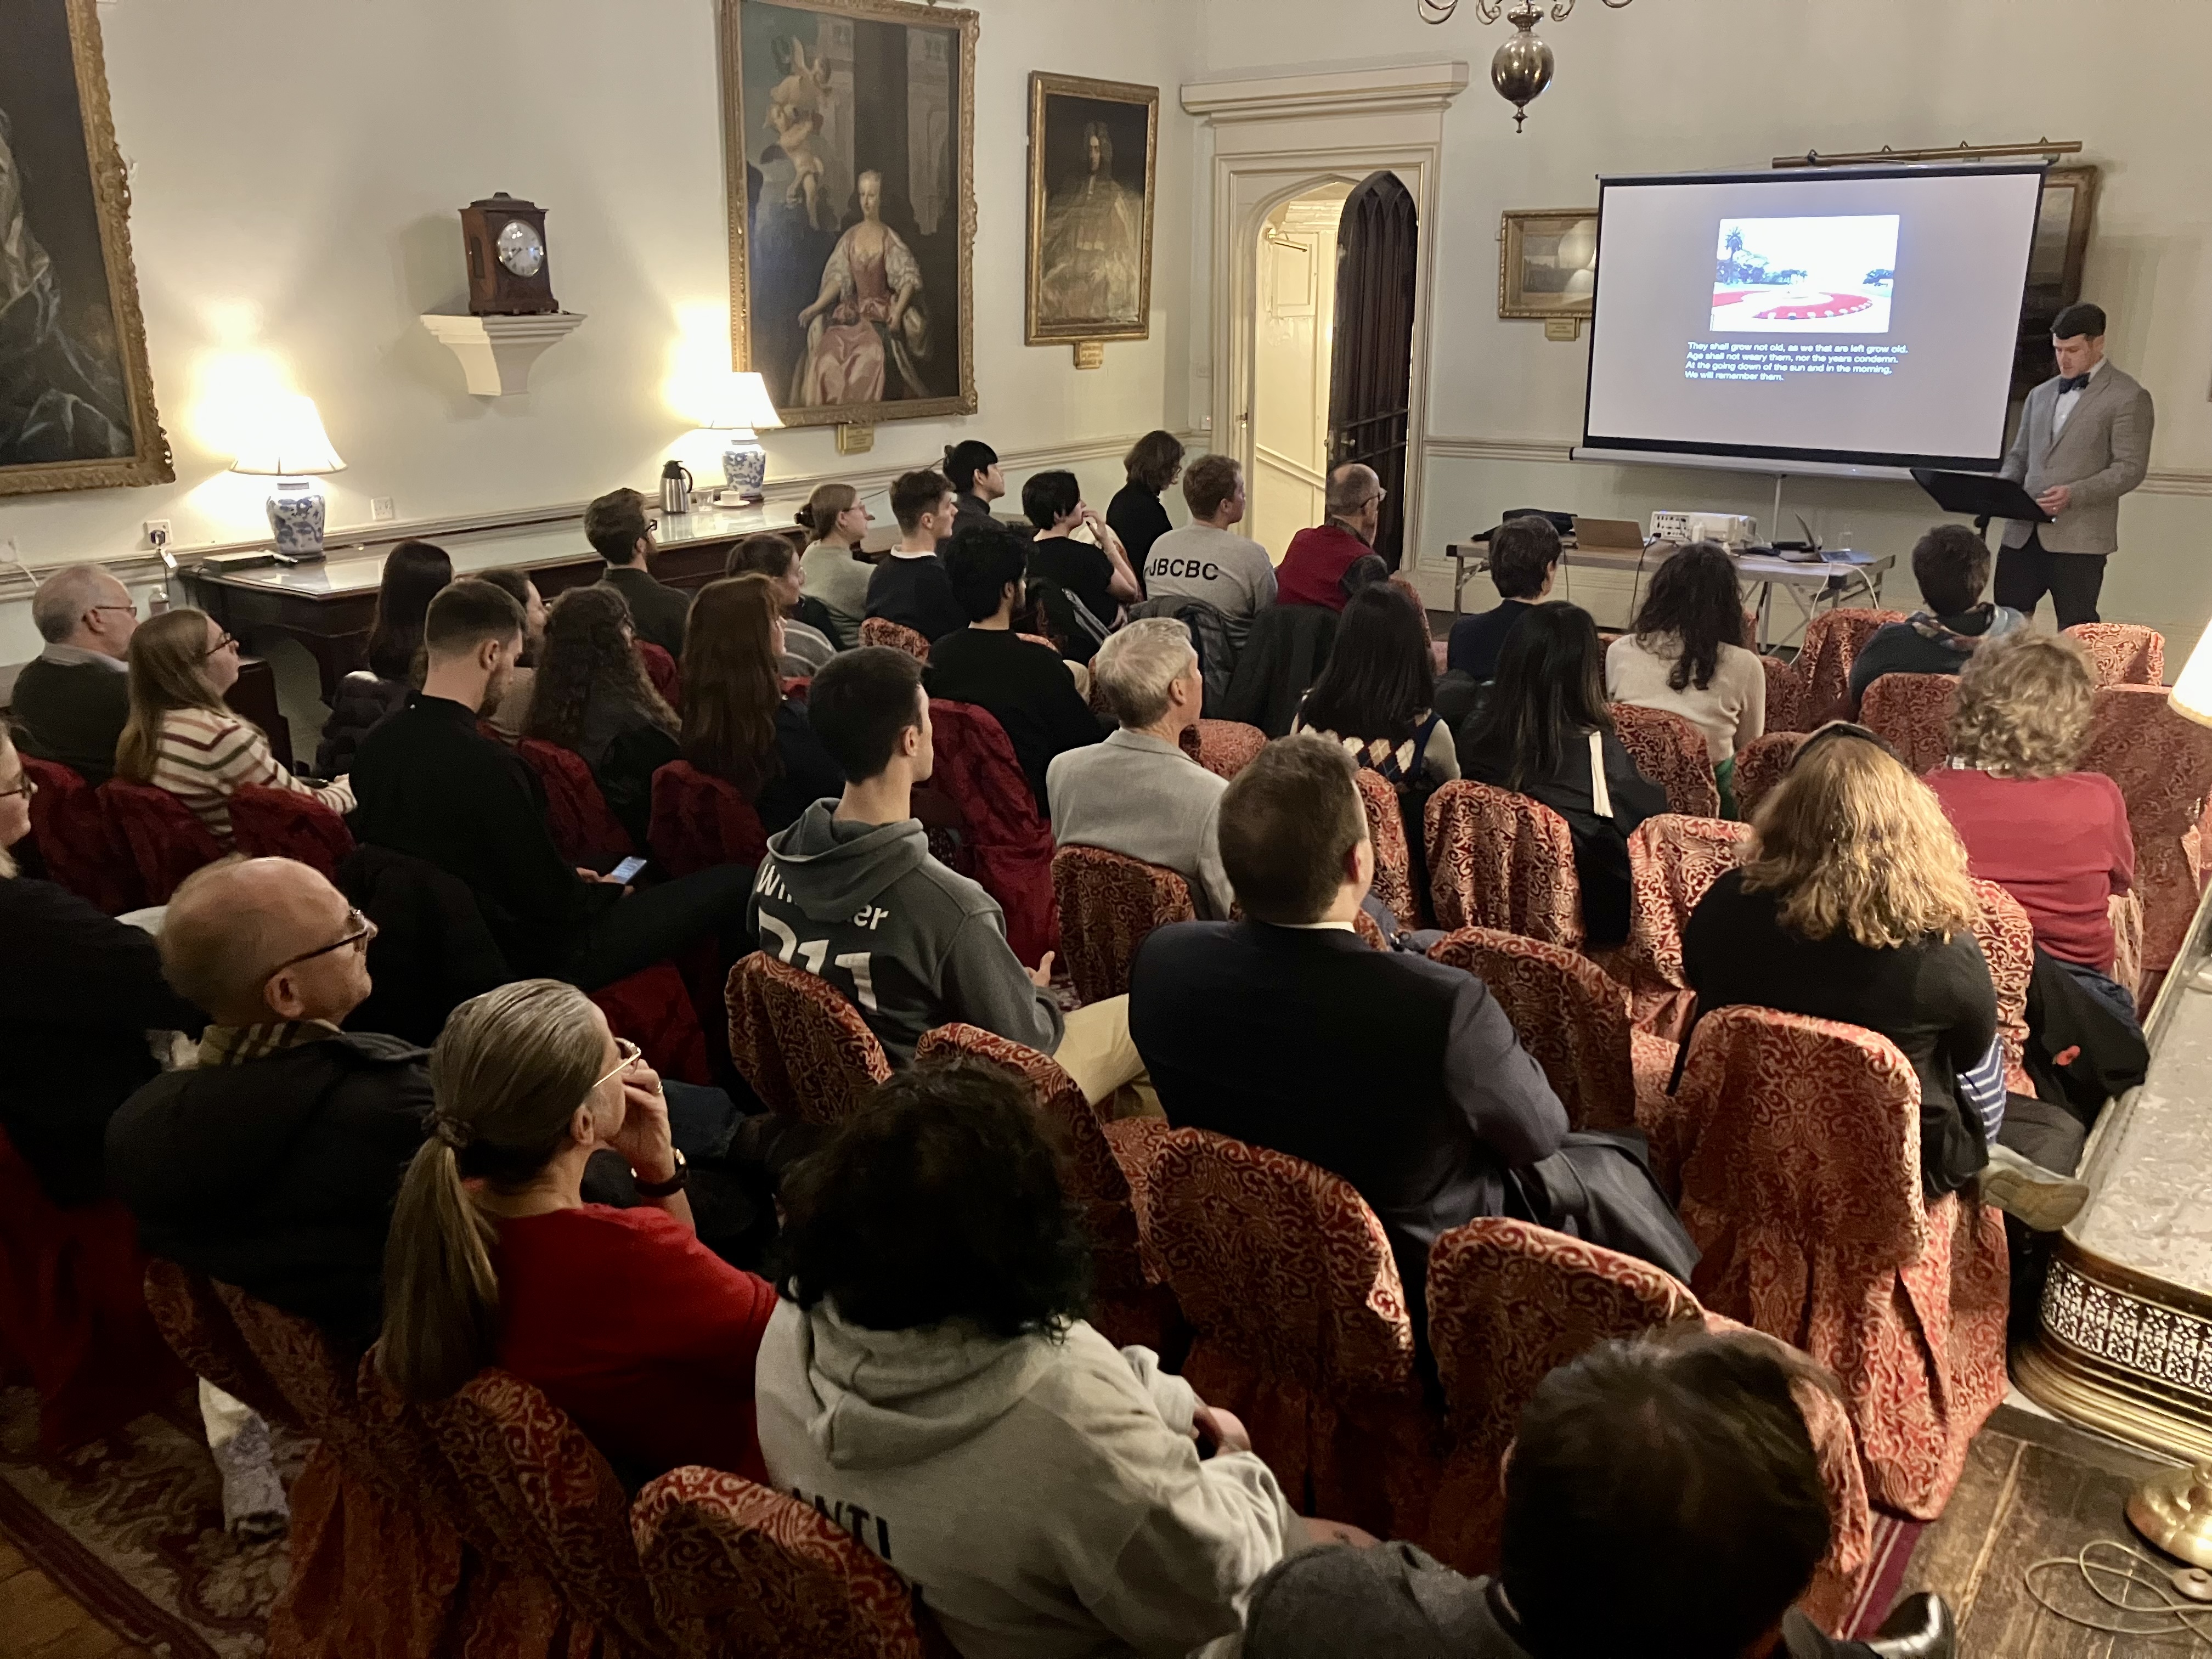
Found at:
[2084, 441]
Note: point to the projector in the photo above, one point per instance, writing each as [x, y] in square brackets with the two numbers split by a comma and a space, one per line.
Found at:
[1731, 530]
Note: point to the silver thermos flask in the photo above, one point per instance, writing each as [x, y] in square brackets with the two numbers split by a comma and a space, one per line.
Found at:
[675, 488]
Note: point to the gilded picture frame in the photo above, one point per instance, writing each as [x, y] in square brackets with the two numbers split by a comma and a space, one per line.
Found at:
[856, 310]
[82, 415]
[1089, 274]
[1531, 281]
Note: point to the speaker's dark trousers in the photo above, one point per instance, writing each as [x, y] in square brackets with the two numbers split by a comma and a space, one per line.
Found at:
[2026, 573]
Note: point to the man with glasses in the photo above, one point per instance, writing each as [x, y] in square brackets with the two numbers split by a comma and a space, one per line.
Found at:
[617, 525]
[1313, 568]
[73, 698]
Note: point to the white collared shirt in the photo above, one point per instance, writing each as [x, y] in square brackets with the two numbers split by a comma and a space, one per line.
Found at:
[75, 656]
[2063, 409]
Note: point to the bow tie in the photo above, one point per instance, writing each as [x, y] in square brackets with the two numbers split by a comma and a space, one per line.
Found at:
[2072, 383]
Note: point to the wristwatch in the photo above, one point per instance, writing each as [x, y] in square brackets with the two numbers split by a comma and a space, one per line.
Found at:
[675, 1184]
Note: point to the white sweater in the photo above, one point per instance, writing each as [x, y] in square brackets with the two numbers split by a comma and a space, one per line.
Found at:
[1730, 712]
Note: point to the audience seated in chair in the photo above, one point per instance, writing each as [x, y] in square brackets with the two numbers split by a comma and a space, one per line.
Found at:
[1025, 686]
[1138, 793]
[433, 787]
[513, 712]
[1687, 656]
[810, 633]
[831, 570]
[413, 573]
[1154, 462]
[623, 1318]
[1544, 733]
[1205, 560]
[594, 696]
[1314, 563]
[1095, 571]
[1951, 566]
[617, 525]
[739, 726]
[1682, 1463]
[71, 699]
[1524, 562]
[79, 994]
[1398, 1074]
[181, 736]
[972, 467]
[1854, 904]
[272, 1163]
[1376, 694]
[934, 1378]
[910, 587]
[851, 894]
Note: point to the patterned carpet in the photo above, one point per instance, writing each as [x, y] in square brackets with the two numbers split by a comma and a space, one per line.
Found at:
[131, 1526]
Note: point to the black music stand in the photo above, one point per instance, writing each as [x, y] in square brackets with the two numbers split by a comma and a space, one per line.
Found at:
[1984, 494]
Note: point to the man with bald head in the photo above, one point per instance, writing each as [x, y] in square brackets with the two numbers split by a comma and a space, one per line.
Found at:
[272, 1164]
[1313, 568]
[72, 699]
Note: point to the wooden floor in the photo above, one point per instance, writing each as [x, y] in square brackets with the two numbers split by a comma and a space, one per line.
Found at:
[38, 1621]
[2035, 1489]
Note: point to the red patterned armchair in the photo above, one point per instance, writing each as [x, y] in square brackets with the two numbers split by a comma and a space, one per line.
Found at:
[803, 1048]
[1393, 864]
[1759, 765]
[699, 821]
[1785, 696]
[1224, 748]
[1573, 1020]
[165, 840]
[881, 630]
[663, 670]
[1824, 659]
[1801, 1185]
[2123, 653]
[1671, 752]
[80, 845]
[2008, 940]
[284, 824]
[2162, 761]
[735, 1568]
[195, 1323]
[1302, 1330]
[1107, 1167]
[1913, 711]
[1499, 860]
[1109, 905]
[1007, 844]
[1672, 860]
[653, 1009]
[584, 827]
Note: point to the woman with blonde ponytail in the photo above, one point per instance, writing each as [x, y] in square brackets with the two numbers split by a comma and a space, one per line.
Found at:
[831, 570]
[627, 1322]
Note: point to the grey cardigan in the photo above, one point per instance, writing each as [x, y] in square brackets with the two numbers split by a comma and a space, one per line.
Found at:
[2101, 455]
[1135, 795]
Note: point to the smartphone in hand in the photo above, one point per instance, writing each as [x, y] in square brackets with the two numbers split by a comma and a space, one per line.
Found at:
[623, 874]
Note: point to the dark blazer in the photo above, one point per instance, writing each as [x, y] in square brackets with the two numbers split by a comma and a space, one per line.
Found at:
[657, 611]
[72, 714]
[278, 1175]
[1398, 1073]
[78, 993]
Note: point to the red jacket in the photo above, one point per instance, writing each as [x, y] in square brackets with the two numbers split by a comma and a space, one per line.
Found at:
[1312, 571]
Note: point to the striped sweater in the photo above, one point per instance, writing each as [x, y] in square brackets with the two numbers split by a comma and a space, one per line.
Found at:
[204, 754]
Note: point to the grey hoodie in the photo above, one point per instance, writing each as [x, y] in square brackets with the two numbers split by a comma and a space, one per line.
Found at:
[1045, 1497]
[910, 943]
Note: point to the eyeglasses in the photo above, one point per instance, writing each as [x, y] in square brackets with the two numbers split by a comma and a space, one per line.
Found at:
[631, 1054]
[24, 785]
[228, 642]
[359, 931]
[132, 609]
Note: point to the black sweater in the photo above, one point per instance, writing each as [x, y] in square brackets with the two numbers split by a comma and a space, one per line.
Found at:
[916, 593]
[1136, 516]
[78, 993]
[72, 712]
[1933, 1000]
[1026, 687]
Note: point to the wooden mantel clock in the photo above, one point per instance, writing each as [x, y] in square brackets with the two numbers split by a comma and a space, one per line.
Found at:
[503, 238]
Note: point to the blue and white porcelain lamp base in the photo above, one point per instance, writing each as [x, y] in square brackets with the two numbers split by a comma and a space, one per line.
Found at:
[296, 512]
[744, 465]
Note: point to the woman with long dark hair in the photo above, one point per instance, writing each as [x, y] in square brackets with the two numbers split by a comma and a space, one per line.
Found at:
[1686, 655]
[414, 575]
[738, 725]
[1375, 694]
[593, 695]
[1544, 733]
[1153, 463]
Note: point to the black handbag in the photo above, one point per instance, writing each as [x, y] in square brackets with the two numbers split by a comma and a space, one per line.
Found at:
[1599, 1186]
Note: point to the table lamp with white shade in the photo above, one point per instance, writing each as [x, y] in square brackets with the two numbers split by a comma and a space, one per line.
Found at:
[741, 409]
[2192, 689]
[289, 443]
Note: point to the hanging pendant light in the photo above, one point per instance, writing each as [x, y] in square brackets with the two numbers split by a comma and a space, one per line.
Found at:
[1522, 66]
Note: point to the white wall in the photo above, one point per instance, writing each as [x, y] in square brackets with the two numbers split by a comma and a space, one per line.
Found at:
[296, 164]
[1680, 84]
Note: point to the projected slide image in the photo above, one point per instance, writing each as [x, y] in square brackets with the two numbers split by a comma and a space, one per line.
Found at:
[1825, 276]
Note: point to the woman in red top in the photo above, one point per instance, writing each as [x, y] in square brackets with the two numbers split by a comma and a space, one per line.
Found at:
[2055, 839]
[627, 1322]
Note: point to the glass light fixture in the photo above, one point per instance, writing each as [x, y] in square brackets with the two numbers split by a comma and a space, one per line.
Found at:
[286, 441]
[742, 408]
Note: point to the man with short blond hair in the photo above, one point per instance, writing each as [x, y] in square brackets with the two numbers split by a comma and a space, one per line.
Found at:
[72, 699]
[1316, 561]
[1204, 561]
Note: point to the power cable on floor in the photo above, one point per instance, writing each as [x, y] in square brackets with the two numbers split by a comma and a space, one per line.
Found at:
[2114, 1583]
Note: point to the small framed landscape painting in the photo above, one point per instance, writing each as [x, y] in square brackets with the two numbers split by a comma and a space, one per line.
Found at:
[1546, 262]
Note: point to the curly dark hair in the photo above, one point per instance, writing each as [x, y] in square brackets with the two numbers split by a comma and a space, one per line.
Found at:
[939, 1199]
[1693, 601]
[589, 654]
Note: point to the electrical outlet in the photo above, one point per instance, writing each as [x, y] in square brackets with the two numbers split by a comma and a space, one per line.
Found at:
[157, 533]
[381, 507]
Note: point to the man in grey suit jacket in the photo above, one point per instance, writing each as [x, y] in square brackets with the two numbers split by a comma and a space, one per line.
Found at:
[2084, 441]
